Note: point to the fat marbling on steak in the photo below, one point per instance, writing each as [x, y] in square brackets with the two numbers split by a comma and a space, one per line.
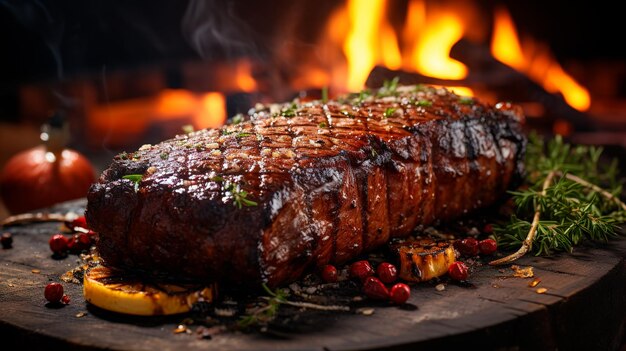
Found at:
[300, 185]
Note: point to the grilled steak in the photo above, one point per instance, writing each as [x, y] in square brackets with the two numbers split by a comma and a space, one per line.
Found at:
[300, 185]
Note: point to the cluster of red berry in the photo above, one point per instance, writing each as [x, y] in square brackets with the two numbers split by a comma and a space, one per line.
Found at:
[470, 247]
[373, 281]
[81, 239]
[54, 294]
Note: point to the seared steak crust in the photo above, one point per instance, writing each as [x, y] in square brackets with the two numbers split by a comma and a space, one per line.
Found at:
[301, 185]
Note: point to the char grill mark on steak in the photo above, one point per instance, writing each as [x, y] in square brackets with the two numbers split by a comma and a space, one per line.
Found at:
[331, 182]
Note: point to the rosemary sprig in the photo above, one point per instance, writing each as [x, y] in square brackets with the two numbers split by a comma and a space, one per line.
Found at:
[268, 310]
[562, 204]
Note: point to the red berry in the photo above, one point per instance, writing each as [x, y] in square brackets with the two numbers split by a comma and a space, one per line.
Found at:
[79, 242]
[361, 270]
[53, 292]
[80, 222]
[467, 246]
[399, 293]
[65, 299]
[375, 289]
[387, 272]
[329, 273]
[487, 246]
[6, 240]
[58, 243]
[458, 271]
[488, 228]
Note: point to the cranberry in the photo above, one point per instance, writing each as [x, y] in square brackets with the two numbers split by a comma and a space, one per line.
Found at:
[361, 270]
[53, 292]
[79, 242]
[467, 246]
[458, 271]
[58, 243]
[7, 240]
[329, 273]
[65, 299]
[387, 272]
[80, 222]
[375, 289]
[487, 246]
[399, 293]
[488, 228]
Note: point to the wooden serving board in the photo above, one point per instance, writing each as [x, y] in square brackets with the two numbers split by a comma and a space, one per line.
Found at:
[584, 308]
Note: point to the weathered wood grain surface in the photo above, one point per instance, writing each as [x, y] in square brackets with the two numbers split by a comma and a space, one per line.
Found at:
[584, 308]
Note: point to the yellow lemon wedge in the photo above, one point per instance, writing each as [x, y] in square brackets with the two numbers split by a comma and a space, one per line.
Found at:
[114, 291]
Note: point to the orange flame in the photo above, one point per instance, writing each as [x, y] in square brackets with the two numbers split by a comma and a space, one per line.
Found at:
[211, 112]
[431, 55]
[175, 103]
[243, 76]
[360, 45]
[535, 61]
[207, 110]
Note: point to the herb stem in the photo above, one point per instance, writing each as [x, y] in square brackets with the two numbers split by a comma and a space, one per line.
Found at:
[27, 218]
[528, 242]
[314, 306]
[595, 188]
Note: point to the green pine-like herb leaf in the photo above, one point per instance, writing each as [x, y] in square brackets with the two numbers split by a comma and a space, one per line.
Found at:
[571, 211]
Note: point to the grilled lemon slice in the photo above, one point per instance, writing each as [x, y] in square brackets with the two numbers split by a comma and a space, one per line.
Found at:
[116, 291]
[423, 259]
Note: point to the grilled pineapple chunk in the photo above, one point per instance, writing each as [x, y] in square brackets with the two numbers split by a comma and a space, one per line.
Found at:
[115, 291]
[423, 259]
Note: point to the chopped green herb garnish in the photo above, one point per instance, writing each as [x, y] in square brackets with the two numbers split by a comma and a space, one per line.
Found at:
[226, 132]
[322, 125]
[289, 112]
[123, 156]
[325, 94]
[187, 128]
[347, 114]
[423, 103]
[389, 87]
[466, 100]
[135, 178]
[217, 179]
[242, 134]
[389, 112]
[420, 87]
[239, 196]
[238, 118]
[164, 155]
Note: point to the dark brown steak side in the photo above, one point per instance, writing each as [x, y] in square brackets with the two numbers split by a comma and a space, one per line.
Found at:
[330, 182]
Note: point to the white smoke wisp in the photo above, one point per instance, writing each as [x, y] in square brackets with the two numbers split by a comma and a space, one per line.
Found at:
[212, 29]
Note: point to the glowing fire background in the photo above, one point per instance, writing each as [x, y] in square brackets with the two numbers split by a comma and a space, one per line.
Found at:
[121, 70]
